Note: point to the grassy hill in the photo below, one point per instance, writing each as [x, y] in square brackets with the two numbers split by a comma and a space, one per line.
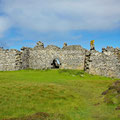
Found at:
[54, 95]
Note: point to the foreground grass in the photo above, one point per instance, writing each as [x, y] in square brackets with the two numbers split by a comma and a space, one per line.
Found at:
[63, 94]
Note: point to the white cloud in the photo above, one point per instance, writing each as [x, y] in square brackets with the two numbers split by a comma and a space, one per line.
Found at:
[62, 15]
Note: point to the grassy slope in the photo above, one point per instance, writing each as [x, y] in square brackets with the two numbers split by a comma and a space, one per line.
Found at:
[73, 94]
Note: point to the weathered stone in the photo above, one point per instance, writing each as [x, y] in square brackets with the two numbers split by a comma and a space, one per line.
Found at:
[106, 63]
[39, 45]
[52, 47]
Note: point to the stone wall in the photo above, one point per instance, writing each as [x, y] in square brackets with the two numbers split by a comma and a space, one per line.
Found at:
[70, 57]
[25, 57]
[105, 63]
[10, 60]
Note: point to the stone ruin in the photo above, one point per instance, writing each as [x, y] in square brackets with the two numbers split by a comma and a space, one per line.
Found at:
[105, 63]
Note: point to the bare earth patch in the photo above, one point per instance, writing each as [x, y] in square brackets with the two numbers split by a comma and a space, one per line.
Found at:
[37, 116]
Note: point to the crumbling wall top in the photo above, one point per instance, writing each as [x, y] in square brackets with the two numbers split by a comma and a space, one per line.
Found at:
[8, 50]
[52, 47]
[110, 50]
[25, 48]
[39, 45]
[73, 47]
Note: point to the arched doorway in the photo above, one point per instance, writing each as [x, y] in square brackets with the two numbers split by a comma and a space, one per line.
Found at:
[56, 64]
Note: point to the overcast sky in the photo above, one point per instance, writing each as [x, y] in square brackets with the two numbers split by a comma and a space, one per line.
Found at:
[24, 22]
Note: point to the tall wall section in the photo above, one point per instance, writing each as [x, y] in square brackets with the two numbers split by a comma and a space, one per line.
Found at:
[25, 57]
[10, 60]
[106, 63]
[70, 57]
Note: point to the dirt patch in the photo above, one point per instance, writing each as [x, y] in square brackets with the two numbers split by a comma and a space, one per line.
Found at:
[96, 104]
[42, 116]
[112, 94]
[117, 108]
[115, 86]
[37, 116]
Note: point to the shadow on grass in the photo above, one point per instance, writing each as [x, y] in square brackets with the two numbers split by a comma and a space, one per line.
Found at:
[72, 72]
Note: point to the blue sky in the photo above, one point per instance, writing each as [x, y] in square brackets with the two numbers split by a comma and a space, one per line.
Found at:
[24, 22]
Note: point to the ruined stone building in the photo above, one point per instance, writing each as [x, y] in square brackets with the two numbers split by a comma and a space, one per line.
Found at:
[105, 63]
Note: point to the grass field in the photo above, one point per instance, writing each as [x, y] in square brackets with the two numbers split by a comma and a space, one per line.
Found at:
[58, 94]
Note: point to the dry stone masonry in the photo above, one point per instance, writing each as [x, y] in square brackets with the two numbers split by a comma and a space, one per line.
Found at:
[105, 63]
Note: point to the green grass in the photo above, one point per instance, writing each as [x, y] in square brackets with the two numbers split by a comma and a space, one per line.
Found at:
[72, 94]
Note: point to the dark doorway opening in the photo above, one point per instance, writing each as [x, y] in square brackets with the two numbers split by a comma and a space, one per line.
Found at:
[56, 64]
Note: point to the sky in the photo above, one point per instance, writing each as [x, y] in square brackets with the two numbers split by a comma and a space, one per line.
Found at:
[76, 22]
